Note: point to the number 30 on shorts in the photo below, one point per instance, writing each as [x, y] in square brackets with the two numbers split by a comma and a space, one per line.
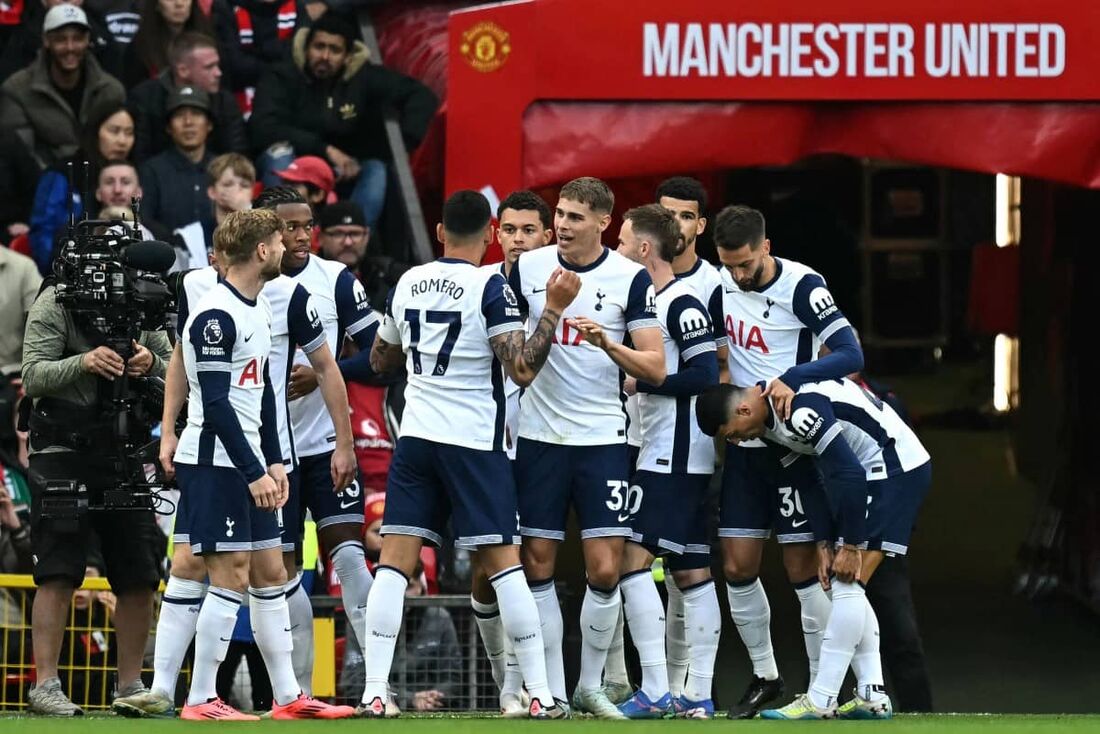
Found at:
[625, 499]
[789, 502]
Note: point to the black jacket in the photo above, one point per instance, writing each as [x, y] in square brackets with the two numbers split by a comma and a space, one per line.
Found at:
[346, 112]
[174, 190]
[18, 174]
[25, 40]
[245, 56]
[146, 103]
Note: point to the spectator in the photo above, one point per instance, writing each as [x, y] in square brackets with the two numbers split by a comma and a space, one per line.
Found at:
[256, 34]
[311, 177]
[175, 181]
[345, 237]
[48, 102]
[25, 38]
[19, 283]
[195, 62]
[230, 178]
[18, 172]
[329, 101]
[161, 22]
[15, 530]
[120, 17]
[108, 135]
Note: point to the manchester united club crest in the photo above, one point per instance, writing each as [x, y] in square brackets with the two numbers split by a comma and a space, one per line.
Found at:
[486, 46]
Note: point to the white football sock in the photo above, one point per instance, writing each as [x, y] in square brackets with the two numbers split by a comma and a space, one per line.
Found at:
[676, 644]
[867, 662]
[385, 607]
[614, 671]
[491, 630]
[599, 611]
[513, 675]
[815, 615]
[270, 618]
[646, 616]
[179, 613]
[519, 617]
[213, 631]
[703, 627]
[350, 563]
[753, 616]
[301, 632]
[553, 631]
[842, 634]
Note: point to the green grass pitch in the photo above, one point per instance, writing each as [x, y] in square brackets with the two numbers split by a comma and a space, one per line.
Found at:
[932, 724]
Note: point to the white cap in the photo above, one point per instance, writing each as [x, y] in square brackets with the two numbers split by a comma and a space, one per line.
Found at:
[63, 15]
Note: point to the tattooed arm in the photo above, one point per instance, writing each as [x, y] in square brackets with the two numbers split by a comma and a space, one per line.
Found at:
[523, 358]
[385, 357]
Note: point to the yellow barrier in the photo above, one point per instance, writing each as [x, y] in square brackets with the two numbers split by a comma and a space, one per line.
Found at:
[87, 663]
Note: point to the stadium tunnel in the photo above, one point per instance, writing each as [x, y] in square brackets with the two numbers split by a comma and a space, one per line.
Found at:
[942, 174]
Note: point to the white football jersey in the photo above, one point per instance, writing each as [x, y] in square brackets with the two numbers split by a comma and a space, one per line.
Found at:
[512, 391]
[779, 325]
[294, 321]
[822, 412]
[705, 282]
[576, 398]
[633, 422]
[672, 442]
[343, 307]
[228, 333]
[443, 315]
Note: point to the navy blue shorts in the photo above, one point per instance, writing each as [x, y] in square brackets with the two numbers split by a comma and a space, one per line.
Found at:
[593, 479]
[326, 506]
[671, 516]
[218, 514]
[430, 482]
[760, 495]
[892, 508]
[291, 528]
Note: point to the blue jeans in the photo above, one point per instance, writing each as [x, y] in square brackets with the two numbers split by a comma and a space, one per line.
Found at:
[369, 190]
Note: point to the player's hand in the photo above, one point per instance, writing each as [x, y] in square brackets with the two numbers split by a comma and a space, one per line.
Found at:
[343, 468]
[781, 396]
[103, 361]
[168, 443]
[428, 700]
[345, 166]
[561, 288]
[630, 385]
[824, 564]
[108, 600]
[303, 381]
[140, 363]
[848, 564]
[265, 492]
[592, 332]
[278, 473]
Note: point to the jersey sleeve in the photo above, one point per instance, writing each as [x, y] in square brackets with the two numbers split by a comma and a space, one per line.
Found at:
[388, 330]
[213, 335]
[641, 304]
[500, 306]
[813, 420]
[689, 326]
[814, 306]
[352, 305]
[304, 322]
[515, 282]
[717, 312]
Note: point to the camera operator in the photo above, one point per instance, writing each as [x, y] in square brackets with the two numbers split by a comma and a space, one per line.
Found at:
[73, 439]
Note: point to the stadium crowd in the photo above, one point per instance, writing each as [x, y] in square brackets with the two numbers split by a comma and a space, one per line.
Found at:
[251, 131]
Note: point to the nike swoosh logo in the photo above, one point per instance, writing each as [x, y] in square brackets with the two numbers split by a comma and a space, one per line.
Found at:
[537, 290]
[799, 523]
[250, 336]
[224, 639]
[624, 518]
[601, 631]
[286, 629]
[361, 606]
[344, 506]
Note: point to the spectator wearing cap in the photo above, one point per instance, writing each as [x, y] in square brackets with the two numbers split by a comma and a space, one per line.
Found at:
[329, 101]
[312, 177]
[175, 181]
[47, 103]
[193, 61]
[345, 237]
[24, 38]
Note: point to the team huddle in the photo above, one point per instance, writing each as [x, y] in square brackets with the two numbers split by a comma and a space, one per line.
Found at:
[571, 376]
